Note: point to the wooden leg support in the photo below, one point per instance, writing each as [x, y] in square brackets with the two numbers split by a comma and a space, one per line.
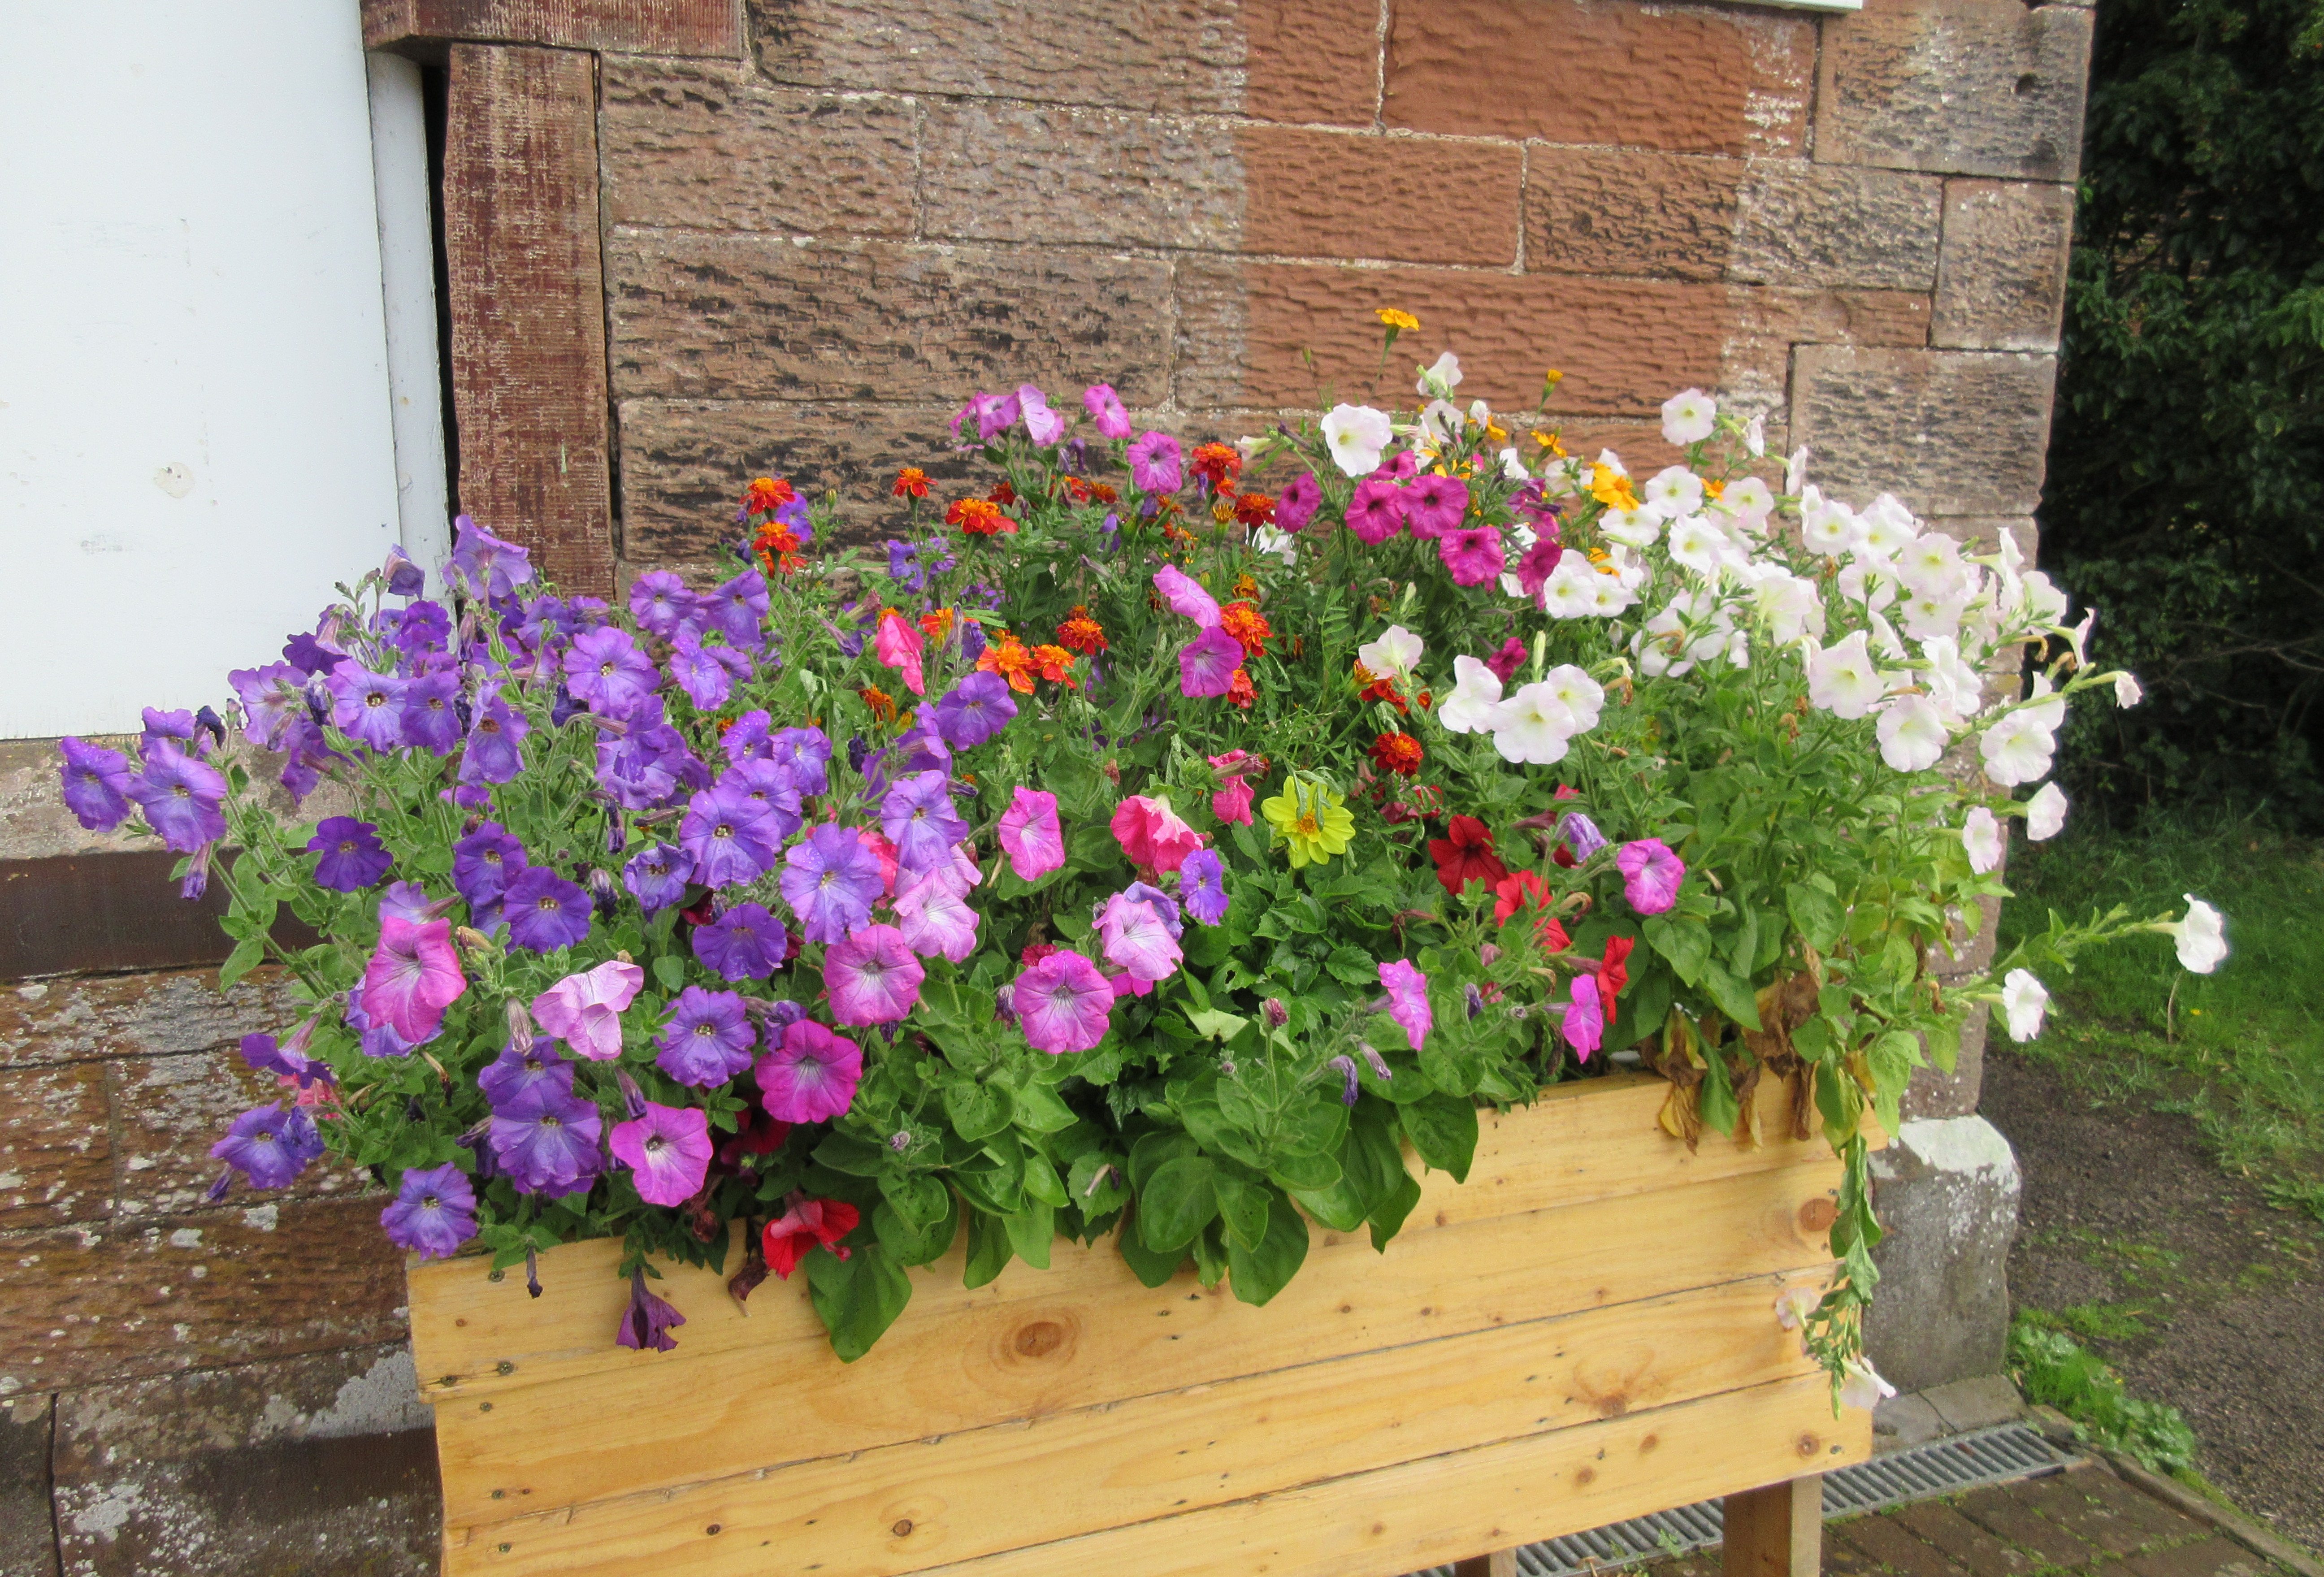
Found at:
[1499, 1563]
[1778, 1531]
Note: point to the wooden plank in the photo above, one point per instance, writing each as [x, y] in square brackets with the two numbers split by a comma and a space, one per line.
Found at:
[528, 304]
[1499, 1563]
[85, 914]
[1775, 1531]
[1376, 1523]
[1569, 1149]
[1293, 1412]
[644, 27]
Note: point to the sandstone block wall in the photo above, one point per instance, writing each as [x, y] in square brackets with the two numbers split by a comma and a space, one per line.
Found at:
[822, 222]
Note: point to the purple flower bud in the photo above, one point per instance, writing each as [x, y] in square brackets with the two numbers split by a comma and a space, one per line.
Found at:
[208, 721]
[1347, 1069]
[404, 579]
[648, 1320]
[216, 1191]
[520, 1028]
[1475, 999]
[1580, 834]
[1378, 1064]
[604, 892]
[900, 1140]
[633, 1099]
[1275, 1012]
[198, 875]
[531, 1271]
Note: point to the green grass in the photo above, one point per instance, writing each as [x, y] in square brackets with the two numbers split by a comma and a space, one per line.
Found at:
[2240, 1051]
[2051, 1368]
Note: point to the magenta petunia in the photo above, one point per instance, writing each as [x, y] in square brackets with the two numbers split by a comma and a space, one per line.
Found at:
[1376, 512]
[412, 977]
[1408, 1000]
[898, 645]
[1029, 834]
[1136, 938]
[1152, 835]
[1063, 1002]
[1154, 462]
[585, 1009]
[1183, 594]
[873, 976]
[1106, 413]
[1042, 425]
[1583, 1022]
[1472, 554]
[1433, 505]
[1207, 664]
[1651, 874]
[667, 1150]
[810, 1075]
[1295, 505]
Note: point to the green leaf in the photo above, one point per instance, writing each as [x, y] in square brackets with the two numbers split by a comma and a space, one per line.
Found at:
[1388, 1217]
[1212, 1024]
[977, 1112]
[857, 1298]
[1685, 943]
[670, 969]
[1095, 1198]
[1354, 965]
[1264, 1269]
[989, 1251]
[858, 1158]
[1152, 1150]
[245, 957]
[1032, 1231]
[914, 1245]
[1716, 1097]
[1152, 1266]
[1041, 1109]
[1242, 1206]
[1734, 998]
[1041, 1179]
[1444, 1129]
[1296, 1172]
[920, 1198]
[1178, 1201]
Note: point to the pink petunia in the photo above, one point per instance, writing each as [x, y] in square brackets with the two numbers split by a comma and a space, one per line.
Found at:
[1584, 1022]
[1433, 505]
[1185, 596]
[413, 977]
[885, 853]
[1651, 874]
[1376, 512]
[1106, 413]
[810, 1075]
[1152, 836]
[585, 1011]
[1472, 554]
[1063, 1002]
[1207, 664]
[935, 919]
[668, 1150]
[1232, 803]
[1408, 1000]
[1136, 938]
[873, 977]
[1029, 835]
[898, 644]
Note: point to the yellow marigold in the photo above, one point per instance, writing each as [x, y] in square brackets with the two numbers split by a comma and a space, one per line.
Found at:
[1395, 317]
[1312, 819]
[1611, 488]
[1549, 443]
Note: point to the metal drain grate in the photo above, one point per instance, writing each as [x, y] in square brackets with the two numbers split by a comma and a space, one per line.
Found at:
[1942, 1467]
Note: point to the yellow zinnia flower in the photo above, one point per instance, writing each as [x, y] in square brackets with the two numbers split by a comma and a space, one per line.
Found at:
[1312, 819]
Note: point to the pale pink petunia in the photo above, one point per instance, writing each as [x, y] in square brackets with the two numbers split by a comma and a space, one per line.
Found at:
[1408, 1000]
[810, 1075]
[1029, 835]
[873, 977]
[585, 1009]
[412, 977]
[899, 643]
[668, 1149]
[1185, 596]
[935, 919]
[1136, 938]
[1063, 1002]
[1151, 834]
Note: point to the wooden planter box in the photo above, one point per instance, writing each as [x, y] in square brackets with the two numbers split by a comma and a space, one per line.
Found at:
[1585, 1331]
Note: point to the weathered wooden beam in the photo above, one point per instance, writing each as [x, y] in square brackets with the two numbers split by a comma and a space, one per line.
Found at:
[645, 27]
[527, 296]
[1776, 1531]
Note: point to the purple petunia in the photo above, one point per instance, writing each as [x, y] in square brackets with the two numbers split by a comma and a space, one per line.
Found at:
[731, 837]
[1207, 664]
[831, 880]
[434, 1212]
[367, 707]
[430, 718]
[707, 674]
[974, 710]
[1295, 505]
[805, 754]
[810, 1075]
[289, 1060]
[656, 876]
[490, 567]
[546, 1140]
[737, 609]
[745, 942]
[645, 1323]
[95, 784]
[270, 697]
[270, 1146]
[353, 857]
[660, 603]
[544, 911]
[1154, 462]
[607, 673]
[1202, 887]
[181, 797]
[1580, 835]
[484, 863]
[493, 754]
[767, 784]
[708, 1041]
[918, 818]
[508, 1077]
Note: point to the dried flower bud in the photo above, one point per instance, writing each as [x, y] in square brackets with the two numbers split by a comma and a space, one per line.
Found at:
[473, 941]
[520, 1027]
[1475, 999]
[1489, 955]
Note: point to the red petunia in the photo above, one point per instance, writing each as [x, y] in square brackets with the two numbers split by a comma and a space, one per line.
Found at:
[808, 1222]
[1465, 854]
[1613, 972]
[1526, 889]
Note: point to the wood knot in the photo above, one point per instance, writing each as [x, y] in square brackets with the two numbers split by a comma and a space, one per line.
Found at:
[1649, 1443]
[1586, 1476]
[1808, 1445]
[1039, 1339]
[1817, 1215]
[903, 1527]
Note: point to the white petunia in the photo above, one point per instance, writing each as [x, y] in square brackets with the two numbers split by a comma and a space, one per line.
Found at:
[2016, 750]
[1860, 1385]
[1981, 837]
[1512, 467]
[1688, 418]
[1887, 528]
[1395, 654]
[1568, 593]
[1750, 500]
[1688, 631]
[1755, 436]
[1673, 490]
[1829, 526]
[1869, 581]
[1282, 544]
[1697, 544]
[2045, 603]
[1957, 689]
[2048, 709]
[1885, 637]
[1439, 419]
[1532, 726]
[1476, 697]
[2202, 936]
[2045, 814]
[1911, 734]
[1578, 693]
[1609, 595]
[1928, 618]
[1638, 527]
[2013, 557]
[1442, 378]
[1931, 567]
[1796, 470]
[1794, 1305]
[1356, 435]
[2022, 1004]
[1790, 606]
[2126, 692]
[2078, 637]
[1842, 679]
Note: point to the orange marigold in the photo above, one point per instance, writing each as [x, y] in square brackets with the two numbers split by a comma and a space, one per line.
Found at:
[1056, 663]
[777, 549]
[1103, 492]
[1397, 752]
[1081, 633]
[766, 494]
[978, 517]
[1240, 689]
[1006, 655]
[882, 705]
[936, 625]
[1218, 465]
[1247, 624]
[1255, 509]
[1380, 689]
[911, 481]
[1002, 494]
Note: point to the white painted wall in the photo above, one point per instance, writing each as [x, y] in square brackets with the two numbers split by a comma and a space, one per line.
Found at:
[194, 418]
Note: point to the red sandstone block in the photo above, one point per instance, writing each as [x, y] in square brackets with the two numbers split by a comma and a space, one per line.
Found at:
[1410, 199]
